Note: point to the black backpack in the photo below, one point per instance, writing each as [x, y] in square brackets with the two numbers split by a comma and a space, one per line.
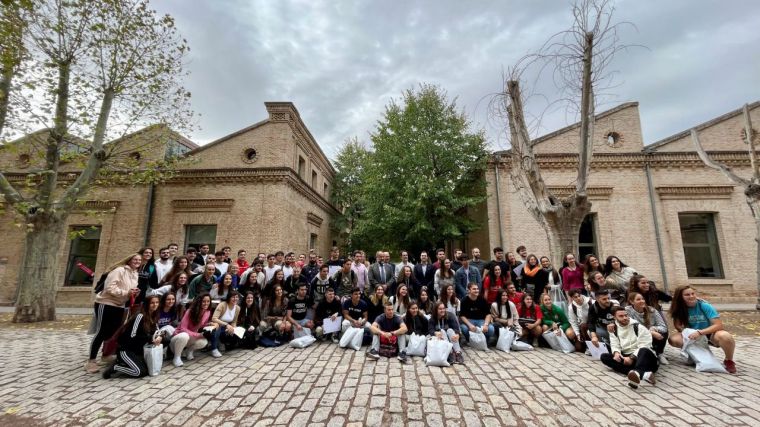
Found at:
[101, 283]
[635, 330]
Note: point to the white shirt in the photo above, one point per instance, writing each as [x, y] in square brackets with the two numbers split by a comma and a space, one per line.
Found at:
[269, 272]
[162, 268]
[401, 265]
[228, 316]
[288, 270]
[221, 268]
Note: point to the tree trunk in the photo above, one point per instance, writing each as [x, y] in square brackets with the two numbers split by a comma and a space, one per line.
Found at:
[757, 262]
[37, 279]
[563, 225]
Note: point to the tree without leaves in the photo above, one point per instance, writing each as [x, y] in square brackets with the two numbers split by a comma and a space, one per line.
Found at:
[95, 67]
[425, 172]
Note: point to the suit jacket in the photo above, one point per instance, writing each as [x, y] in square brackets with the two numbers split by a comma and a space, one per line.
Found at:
[460, 280]
[426, 279]
[375, 277]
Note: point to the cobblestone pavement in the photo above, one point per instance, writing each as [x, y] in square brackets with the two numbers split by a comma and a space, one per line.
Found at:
[43, 383]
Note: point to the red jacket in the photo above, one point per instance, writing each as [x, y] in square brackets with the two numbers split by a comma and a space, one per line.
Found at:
[243, 265]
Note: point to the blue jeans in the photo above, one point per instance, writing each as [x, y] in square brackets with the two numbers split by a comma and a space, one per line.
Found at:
[216, 335]
[478, 323]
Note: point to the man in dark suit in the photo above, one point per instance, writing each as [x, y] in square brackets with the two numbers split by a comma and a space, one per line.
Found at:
[381, 274]
[424, 272]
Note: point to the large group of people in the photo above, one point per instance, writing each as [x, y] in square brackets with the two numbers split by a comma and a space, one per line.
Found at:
[212, 302]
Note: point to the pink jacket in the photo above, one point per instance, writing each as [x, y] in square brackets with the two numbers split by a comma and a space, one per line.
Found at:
[119, 284]
[187, 325]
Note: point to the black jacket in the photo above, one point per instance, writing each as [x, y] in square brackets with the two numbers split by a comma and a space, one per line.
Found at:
[417, 324]
[426, 279]
[134, 337]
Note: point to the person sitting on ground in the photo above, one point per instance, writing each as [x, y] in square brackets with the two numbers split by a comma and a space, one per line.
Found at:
[687, 311]
[401, 300]
[649, 291]
[225, 318]
[354, 311]
[648, 317]
[328, 307]
[553, 318]
[443, 325]
[416, 322]
[530, 319]
[186, 334]
[514, 296]
[504, 313]
[298, 308]
[249, 319]
[138, 332]
[376, 303]
[600, 319]
[388, 324]
[273, 314]
[578, 317]
[220, 290]
[631, 350]
[617, 275]
[449, 298]
[475, 314]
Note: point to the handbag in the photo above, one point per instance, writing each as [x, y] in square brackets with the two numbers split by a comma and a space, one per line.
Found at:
[388, 346]
[417, 345]
[506, 337]
[438, 351]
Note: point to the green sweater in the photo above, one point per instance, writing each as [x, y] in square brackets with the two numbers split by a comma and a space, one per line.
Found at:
[554, 315]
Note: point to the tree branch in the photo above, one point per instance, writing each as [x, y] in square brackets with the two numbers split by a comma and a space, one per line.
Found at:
[585, 145]
[749, 134]
[715, 165]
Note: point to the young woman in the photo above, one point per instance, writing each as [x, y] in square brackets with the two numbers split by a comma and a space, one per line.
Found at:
[187, 333]
[273, 313]
[147, 276]
[651, 319]
[444, 325]
[572, 274]
[406, 277]
[617, 275]
[594, 284]
[591, 264]
[688, 311]
[251, 284]
[234, 270]
[450, 300]
[424, 303]
[249, 318]
[415, 321]
[530, 319]
[225, 318]
[649, 291]
[534, 277]
[512, 264]
[552, 275]
[495, 281]
[504, 312]
[138, 332]
[167, 316]
[220, 290]
[376, 304]
[443, 276]
[554, 318]
[120, 286]
[277, 280]
[401, 300]
[181, 265]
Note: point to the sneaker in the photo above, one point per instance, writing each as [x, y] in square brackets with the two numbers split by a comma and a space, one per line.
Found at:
[459, 357]
[649, 377]
[373, 354]
[402, 357]
[215, 353]
[730, 366]
[335, 339]
[190, 355]
[91, 367]
[318, 332]
[108, 360]
[634, 380]
[588, 352]
[108, 372]
[222, 347]
[177, 362]
[451, 359]
[663, 359]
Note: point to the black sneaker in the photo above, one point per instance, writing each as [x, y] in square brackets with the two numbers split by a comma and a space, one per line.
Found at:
[335, 338]
[373, 354]
[459, 358]
[452, 359]
[108, 372]
[402, 357]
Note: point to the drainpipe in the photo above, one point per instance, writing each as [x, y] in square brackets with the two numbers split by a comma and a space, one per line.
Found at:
[149, 214]
[498, 200]
[650, 187]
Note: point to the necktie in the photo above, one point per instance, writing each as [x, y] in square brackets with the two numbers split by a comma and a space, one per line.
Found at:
[382, 273]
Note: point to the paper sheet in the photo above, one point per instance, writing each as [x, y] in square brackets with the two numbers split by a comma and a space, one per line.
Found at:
[596, 352]
[330, 326]
[239, 332]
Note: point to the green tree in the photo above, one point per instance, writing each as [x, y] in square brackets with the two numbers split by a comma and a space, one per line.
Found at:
[97, 68]
[426, 171]
[347, 187]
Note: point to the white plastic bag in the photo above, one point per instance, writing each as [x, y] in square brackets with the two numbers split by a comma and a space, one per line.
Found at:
[552, 339]
[438, 351]
[478, 340]
[699, 352]
[352, 338]
[416, 345]
[558, 297]
[154, 358]
[506, 337]
[564, 343]
[518, 345]
[303, 341]
[302, 333]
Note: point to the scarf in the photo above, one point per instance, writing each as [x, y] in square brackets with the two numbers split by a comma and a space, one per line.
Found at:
[531, 272]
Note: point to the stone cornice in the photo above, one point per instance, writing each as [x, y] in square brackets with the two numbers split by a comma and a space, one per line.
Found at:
[695, 191]
[687, 159]
[594, 193]
[108, 206]
[202, 205]
[313, 219]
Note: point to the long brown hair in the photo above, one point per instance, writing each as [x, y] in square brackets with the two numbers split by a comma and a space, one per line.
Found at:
[175, 270]
[652, 296]
[679, 311]
[647, 313]
[149, 321]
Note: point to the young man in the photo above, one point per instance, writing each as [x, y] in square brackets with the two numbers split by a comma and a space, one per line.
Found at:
[290, 261]
[440, 254]
[514, 296]
[578, 317]
[381, 274]
[270, 268]
[173, 249]
[424, 272]
[203, 254]
[294, 281]
[328, 307]
[311, 269]
[301, 260]
[298, 308]
[221, 266]
[345, 279]
[279, 258]
[388, 324]
[164, 263]
[241, 261]
[475, 313]
[498, 258]
[335, 262]
[320, 284]
[191, 253]
[404, 262]
[354, 311]
[601, 321]
[362, 272]
[465, 275]
[226, 251]
[631, 352]
[455, 263]
[477, 262]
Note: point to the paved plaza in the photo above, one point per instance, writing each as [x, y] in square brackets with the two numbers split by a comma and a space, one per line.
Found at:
[43, 383]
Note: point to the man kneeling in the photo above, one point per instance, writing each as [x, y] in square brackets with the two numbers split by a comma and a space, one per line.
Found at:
[388, 325]
[632, 353]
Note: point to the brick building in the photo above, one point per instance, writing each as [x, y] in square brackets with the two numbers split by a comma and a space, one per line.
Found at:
[262, 188]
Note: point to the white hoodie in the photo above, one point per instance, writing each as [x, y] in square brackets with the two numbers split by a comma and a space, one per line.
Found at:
[626, 341]
[581, 317]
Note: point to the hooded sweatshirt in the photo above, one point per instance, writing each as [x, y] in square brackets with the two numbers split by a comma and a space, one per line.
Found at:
[578, 314]
[626, 341]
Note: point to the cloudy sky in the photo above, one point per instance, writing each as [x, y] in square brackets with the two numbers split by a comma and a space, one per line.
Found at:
[341, 62]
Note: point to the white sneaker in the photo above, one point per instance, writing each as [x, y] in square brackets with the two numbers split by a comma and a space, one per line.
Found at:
[190, 355]
[177, 361]
[215, 353]
[588, 352]
[664, 360]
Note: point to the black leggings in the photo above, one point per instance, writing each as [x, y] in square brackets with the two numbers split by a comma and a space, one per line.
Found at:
[659, 345]
[130, 363]
[108, 319]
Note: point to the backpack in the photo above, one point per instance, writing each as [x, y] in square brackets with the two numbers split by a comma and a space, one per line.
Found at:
[635, 330]
[388, 346]
[101, 283]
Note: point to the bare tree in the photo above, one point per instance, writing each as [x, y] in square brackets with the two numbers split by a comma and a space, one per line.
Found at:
[579, 58]
[751, 186]
[96, 67]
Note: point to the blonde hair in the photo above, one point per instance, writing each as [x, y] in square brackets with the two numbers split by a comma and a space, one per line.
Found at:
[122, 262]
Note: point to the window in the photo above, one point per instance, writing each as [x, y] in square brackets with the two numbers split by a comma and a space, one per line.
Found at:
[313, 241]
[197, 235]
[302, 168]
[175, 149]
[83, 255]
[587, 237]
[700, 245]
[313, 180]
[325, 193]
